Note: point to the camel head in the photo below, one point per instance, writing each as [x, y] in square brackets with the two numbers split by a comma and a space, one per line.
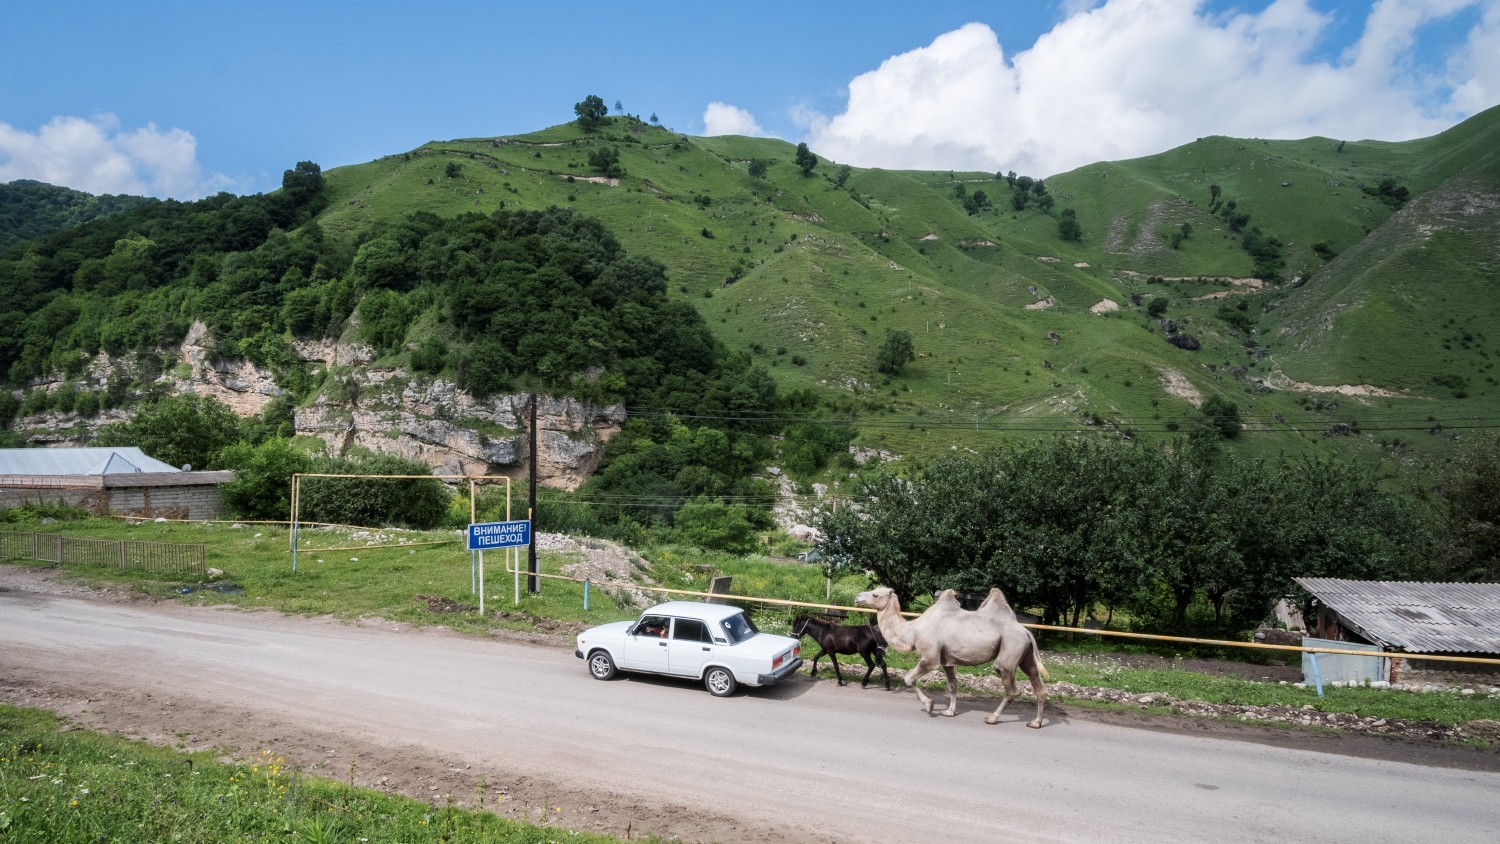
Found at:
[877, 599]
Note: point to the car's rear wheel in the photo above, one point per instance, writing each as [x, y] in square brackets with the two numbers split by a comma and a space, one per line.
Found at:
[602, 666]
[720, 682]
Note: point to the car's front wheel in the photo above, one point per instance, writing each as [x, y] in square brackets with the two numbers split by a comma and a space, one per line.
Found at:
[720, 682]
[602, 666]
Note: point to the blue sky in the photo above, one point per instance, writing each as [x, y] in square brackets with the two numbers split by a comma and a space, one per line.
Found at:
[182, 99]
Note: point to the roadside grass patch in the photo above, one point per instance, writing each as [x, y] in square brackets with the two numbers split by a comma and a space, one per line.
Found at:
[62, 784]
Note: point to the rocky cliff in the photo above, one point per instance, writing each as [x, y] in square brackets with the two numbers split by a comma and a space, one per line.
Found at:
[384, 410]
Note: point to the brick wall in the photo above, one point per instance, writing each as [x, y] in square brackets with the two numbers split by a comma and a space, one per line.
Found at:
[172, 502]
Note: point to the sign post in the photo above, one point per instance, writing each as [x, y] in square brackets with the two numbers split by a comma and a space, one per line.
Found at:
[487, 535]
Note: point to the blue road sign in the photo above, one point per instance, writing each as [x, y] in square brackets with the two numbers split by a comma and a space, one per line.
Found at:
[487, 535]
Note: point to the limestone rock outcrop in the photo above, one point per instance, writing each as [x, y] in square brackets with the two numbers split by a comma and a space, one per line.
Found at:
[385, 410]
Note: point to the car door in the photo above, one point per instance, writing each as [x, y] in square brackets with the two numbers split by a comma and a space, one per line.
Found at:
[690, 647]
[644, 649]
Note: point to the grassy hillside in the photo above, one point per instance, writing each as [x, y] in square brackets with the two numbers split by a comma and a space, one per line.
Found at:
[808, 275]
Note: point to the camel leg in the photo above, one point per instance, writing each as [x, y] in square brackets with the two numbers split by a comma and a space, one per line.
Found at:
[1032, 665]
[924, 665]
[952, 709]
[1008, 680]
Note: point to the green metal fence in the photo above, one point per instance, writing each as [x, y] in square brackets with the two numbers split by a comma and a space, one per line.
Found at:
[158, 557]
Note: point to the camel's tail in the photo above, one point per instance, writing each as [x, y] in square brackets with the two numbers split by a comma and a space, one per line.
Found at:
[1036, 655]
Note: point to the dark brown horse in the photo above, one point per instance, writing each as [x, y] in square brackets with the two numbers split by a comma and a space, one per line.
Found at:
[862, 639]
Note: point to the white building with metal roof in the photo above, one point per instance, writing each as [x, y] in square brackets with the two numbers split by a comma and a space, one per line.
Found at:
[122, 480]
[111, 460]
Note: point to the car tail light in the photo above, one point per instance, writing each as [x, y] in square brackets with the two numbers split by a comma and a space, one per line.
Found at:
[776, 663]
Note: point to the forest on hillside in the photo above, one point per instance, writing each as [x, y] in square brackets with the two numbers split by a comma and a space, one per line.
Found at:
[31, 209]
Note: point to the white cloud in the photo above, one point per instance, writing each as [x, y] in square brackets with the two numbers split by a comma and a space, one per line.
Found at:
[1126, 78]
[725, 119]
[98, 156]
[1474, 72]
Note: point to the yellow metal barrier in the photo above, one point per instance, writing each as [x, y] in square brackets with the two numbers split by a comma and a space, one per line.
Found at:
[1047, 627]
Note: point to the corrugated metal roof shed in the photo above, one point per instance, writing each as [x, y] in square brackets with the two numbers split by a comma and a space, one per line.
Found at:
[79, 461]
[1415, 617]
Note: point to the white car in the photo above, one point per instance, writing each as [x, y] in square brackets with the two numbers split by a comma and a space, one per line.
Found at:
[714, 643]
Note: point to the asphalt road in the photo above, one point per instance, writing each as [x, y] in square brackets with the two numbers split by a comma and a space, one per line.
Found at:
[805, 761]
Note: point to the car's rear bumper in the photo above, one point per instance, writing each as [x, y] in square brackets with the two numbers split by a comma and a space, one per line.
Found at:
[779, 674]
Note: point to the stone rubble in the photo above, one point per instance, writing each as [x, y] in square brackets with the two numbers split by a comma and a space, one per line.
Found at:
[1306, 715]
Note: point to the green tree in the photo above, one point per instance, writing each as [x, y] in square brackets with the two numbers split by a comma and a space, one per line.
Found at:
[758, 168]
[843, 174]
[895, 353]
[606, 159]
[887, 535]
[304, 312]
[1467, 503]
[719, 527]
[262, 484]
[591, 112]
[384, 317]
[1157, 306]
[1067, 226]
[805, 159]
[1222, 416]
[186, 429]
[303, 181]
[418, 503]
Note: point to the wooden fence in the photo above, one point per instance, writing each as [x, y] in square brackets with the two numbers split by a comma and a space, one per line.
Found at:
[63, 550]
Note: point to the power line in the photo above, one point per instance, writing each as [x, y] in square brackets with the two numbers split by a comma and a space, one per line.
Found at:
[1358, 423]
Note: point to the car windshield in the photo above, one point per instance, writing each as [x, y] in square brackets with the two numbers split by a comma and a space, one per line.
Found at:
[739, 627]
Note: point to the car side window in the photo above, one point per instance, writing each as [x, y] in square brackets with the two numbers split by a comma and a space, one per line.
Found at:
[690, 629]
[738, 627]
[652, 625]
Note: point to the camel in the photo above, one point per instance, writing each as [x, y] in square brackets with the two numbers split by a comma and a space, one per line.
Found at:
[947, 635]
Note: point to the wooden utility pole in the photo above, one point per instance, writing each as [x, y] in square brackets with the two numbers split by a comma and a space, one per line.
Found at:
[533, 583]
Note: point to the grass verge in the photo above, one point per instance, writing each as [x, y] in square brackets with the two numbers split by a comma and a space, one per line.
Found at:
[59, 784]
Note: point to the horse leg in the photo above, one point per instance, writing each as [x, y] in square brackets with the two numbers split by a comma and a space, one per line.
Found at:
[880, 657]
[833, 657]
[952, 709]
[821, 654]
[869, 669]
[924, 665]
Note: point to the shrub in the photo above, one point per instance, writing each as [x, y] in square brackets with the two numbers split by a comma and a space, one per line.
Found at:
[419, 503]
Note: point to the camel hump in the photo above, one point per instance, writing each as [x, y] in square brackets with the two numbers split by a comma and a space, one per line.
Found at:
[995, 597]
[946, 601]
[996, 606]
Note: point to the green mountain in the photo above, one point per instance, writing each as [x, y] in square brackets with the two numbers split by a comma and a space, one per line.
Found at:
[1372, 318]
[1365, 330]
[29, 209]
